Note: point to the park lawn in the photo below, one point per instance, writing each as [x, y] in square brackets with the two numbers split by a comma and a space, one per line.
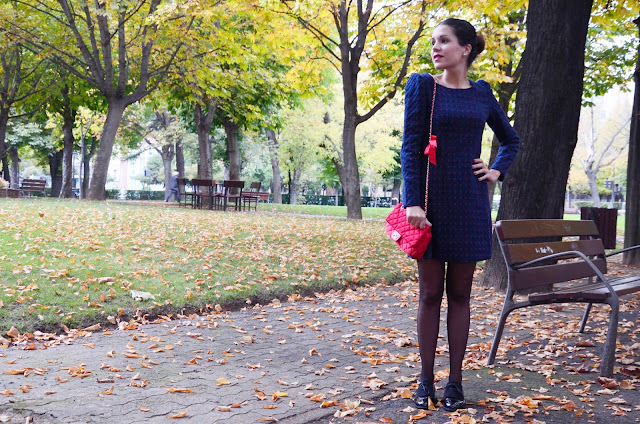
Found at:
[375, 213]
[337, 211]
[78, 263]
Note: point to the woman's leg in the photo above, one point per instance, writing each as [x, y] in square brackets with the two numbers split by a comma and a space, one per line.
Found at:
[459, 278]
[431, 283]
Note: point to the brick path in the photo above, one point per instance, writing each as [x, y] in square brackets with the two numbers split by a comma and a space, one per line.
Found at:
[280, 362]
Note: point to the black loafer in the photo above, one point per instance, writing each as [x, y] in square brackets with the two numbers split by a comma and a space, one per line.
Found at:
[425, 391]
[453, 396]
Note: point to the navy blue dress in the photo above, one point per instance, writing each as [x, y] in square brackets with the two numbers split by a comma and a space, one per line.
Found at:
[458, 205]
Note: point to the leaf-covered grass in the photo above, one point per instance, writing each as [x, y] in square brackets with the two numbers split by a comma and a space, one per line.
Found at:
[77, 263]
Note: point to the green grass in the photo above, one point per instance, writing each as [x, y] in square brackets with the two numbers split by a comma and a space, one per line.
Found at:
[337, 211]
[77, 263]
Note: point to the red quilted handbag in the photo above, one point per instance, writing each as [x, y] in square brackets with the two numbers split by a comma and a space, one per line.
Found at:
[414, 241]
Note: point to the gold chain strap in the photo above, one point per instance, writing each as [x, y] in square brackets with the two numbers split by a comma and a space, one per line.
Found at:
[426, 191]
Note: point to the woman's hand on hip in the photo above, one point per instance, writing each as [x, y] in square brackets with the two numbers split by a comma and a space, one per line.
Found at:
[483, 172]
[416, 217]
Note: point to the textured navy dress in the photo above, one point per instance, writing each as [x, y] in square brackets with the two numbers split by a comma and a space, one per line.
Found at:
[458, 205]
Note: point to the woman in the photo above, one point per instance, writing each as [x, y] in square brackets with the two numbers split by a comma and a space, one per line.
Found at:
[458, 207]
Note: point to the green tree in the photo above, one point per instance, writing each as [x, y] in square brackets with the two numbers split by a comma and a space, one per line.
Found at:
[360, 37]
[124, 52]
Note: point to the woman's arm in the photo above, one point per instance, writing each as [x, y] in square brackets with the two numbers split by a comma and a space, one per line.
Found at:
[415, 133]
[507, 136]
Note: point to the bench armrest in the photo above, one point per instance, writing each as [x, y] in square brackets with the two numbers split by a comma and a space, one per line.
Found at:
[573, 253]
[622, 250]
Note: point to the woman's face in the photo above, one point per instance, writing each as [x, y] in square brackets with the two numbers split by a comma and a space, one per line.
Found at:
[446, 51]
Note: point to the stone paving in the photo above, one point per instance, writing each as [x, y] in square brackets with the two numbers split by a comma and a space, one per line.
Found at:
[342, 356]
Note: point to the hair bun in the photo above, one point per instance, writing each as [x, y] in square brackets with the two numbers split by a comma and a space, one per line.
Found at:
[480, 41]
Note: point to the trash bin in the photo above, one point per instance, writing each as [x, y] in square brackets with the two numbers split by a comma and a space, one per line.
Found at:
[606, 221]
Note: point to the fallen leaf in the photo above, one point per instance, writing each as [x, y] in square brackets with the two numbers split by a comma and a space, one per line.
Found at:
[180, 414]
[179, 390]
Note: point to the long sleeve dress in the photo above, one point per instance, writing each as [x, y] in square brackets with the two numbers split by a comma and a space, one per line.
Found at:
[458, 205]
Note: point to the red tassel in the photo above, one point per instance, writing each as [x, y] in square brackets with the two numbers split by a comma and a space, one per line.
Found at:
[431, 149]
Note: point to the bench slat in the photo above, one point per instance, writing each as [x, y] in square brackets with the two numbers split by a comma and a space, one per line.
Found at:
[567, 296]
[591, 291]
[544, 275]
[535, 228]
[525, 252]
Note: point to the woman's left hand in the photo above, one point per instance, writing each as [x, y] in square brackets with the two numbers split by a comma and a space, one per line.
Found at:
[484, 172]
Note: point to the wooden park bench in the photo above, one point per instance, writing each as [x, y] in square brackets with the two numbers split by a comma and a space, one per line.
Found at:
[33, 186]
[560, 261]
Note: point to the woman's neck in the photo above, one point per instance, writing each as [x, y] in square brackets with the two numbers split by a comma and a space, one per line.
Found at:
[454, 78]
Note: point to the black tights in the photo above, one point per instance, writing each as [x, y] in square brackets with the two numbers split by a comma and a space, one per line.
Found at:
[431, 275]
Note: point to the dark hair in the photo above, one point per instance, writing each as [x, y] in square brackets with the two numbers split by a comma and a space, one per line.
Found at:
[466, 34]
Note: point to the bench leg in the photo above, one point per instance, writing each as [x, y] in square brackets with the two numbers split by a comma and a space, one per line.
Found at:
[506, 310]
[609, 351]
[583, 323]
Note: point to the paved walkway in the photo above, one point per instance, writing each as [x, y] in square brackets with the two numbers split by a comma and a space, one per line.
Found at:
[347, 355]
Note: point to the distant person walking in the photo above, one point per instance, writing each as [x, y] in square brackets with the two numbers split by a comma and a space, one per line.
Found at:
[458, 206]
[174, 190]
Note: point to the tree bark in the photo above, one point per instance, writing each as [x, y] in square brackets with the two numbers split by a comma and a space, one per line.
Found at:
[203, 127]
[55, 162]
[179, 158]
[395, 191]
[593, 186]
[68, 117]
[83, 174]
[4, 120]
[505, 92]
[294, 186]
[167, 155]
[632, 221]
[105, 148]
[233, 148]
[276, 182]
[5, 168]
[349, 174]
[86, 166]
[15, 167]
[550, 87]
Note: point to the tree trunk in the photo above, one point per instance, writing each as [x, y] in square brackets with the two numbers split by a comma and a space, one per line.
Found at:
[15, 167]
[294, 186]
[179, 158]
[551, 86]
[593, 187]
[395, 191]
[350, 177]
[203, 127]
[69, 117]
[505, 92]
[86, 166]
[632, 221]
[83, 153]
[105, 148]
[5, 168]
[4, 120]
[167, 158]
[276, 182]
[233, 149]
[55, 163]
